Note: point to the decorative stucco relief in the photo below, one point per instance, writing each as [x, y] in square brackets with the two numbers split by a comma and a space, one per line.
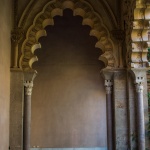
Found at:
[137, 33]
[45, 18]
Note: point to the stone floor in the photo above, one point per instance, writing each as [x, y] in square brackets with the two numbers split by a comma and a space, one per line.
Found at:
[95, 148]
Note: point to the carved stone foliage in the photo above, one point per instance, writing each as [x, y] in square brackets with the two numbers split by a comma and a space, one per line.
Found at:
[137, 33]
[108, 86]
[29, 77]
[28, 87]
[45, 18]
[17, 35]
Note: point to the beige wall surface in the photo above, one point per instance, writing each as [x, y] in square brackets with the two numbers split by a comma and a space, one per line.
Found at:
[68, 101]
[5, 26]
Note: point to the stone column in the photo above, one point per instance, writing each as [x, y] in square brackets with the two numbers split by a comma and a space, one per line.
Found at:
[108, 86]
[28, 85]
[107, 74]
[140, 116]
[138, 75]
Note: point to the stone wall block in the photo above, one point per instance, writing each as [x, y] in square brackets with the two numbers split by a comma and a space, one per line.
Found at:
[120, 108]
[16, 109]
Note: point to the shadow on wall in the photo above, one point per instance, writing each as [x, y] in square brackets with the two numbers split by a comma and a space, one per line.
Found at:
[68, 101]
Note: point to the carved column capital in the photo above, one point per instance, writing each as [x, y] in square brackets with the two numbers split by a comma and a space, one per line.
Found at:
[28, 87]
[108, 86]
[138, 75]
[108, 89]
[28, 81]
[139, 87]
[17, 35]
[108, 75]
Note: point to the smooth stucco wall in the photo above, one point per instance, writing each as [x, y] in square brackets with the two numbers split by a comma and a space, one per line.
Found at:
[68, 101]
[5, 26]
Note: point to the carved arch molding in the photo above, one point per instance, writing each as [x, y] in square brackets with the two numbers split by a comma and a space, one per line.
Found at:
[137, 33]
[45, 18]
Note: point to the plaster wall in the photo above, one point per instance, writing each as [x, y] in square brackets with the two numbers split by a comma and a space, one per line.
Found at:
[68, 101]
[5, 26]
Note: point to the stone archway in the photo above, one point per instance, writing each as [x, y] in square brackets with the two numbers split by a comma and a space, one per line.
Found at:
[45, 18]
[31, 43]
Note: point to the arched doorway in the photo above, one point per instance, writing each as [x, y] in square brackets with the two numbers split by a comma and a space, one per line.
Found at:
[68, 103]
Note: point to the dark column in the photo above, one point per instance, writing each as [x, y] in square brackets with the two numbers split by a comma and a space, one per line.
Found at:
[27, 115]
[138, 75]
[140, 116]
[108, 86]
[28, 85]
[108, 75]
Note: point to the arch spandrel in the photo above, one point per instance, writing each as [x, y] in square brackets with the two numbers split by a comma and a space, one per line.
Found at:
[45, 18]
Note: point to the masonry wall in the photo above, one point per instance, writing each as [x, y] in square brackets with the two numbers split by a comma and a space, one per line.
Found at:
[120, 110]
[68, 101]
[5, 26]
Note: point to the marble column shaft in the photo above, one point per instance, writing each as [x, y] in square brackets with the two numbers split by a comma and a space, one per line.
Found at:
[108, 86]
[27, 115]
[140, 116]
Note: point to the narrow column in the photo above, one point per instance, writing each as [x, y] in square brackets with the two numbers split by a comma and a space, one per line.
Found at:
[108, 75]
[27, 115]
[28, 85]
[108, 86]
[140, 116]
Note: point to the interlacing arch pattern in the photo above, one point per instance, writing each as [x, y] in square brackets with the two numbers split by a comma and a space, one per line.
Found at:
[45, 18]
[140, 35]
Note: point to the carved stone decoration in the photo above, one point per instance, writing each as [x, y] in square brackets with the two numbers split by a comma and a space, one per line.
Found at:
[137, 27]
[139, 88]
[17, 35]
[108, 89]
[108, 86]
[28, 81]
[45, 18]
[28, 87]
